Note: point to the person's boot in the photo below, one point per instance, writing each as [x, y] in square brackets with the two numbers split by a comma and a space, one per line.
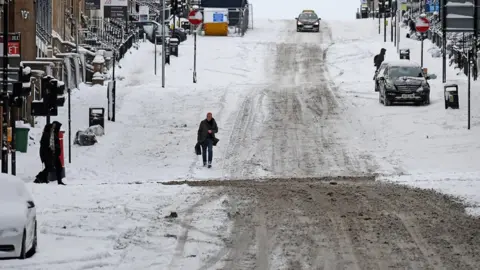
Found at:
[204, 164]
[209, 164]
[60, 182]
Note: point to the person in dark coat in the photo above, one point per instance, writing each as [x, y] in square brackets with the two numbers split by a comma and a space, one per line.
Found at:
[379, 58]
[50, 152]
[46, 155]
[206, 138]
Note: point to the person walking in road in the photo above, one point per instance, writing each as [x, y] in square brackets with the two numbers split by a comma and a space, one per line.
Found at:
[206, 137]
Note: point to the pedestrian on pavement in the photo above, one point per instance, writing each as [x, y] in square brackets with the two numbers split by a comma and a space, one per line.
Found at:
[45, 155]
[50, 152]
[206, 138]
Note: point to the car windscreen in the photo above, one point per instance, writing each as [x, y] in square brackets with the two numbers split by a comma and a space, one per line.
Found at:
[398, 71]
[308, 16]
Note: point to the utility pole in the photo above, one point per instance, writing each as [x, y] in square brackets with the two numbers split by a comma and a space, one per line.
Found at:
[384, 22]
[5, 107]
[379, 17]
[391, 19]
[397, 26]
[155, 52]
[163, 44]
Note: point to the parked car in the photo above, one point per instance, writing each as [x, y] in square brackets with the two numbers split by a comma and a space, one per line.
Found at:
[151, 27]
[309, 21]
[18, 219]
[402, 81]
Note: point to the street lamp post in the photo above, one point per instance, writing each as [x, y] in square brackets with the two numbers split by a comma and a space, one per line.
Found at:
[5, 107]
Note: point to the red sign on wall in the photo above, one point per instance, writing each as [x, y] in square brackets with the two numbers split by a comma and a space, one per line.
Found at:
[13, 44]
[13, 47]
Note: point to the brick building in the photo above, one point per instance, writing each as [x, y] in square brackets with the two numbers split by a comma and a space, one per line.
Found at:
[22, 19]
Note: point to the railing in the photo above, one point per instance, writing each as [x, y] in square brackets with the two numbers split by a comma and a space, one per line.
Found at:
[458, 45]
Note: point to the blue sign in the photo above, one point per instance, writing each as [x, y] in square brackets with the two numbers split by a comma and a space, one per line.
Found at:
[217, 17]
[432, 7]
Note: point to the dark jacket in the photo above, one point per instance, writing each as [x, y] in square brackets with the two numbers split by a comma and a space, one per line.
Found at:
[379, 58]
[45, 152]
[58, 149]
[203, 129]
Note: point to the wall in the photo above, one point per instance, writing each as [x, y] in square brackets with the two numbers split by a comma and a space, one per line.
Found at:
[61, 25]
[26, 27]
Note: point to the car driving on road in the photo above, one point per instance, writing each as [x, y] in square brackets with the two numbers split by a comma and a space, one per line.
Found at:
[18, 219]
[309, 21]
[402, 81]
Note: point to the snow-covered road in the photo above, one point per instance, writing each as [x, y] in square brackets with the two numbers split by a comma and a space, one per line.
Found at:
[288, 105]
[294, 125]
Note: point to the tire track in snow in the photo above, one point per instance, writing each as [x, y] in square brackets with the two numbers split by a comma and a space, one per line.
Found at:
[303, 117]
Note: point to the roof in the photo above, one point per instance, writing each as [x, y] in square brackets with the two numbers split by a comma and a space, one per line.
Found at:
[308, 11]
[402, 63]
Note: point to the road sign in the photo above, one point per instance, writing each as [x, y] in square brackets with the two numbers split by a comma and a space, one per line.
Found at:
[218, 17]
[195, 17]
[422, 25]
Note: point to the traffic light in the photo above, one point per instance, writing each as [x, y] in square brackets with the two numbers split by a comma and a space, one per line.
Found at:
[45, 85]
[174, 7]
[46, 107]
[23, 88]
[57, 93]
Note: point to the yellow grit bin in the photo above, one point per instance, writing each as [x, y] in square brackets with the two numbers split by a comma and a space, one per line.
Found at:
[215, 21]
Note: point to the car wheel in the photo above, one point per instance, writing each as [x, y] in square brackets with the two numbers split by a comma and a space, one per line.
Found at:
[33, 250]
[23, 252]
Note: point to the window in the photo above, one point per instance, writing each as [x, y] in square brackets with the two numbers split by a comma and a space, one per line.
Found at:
[308, 16]
[399, 71]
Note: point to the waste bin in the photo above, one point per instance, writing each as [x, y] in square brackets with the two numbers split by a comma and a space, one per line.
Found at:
[96, 116]
[174, 46]
[405, 54]
[451, 96]
[21, 139]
